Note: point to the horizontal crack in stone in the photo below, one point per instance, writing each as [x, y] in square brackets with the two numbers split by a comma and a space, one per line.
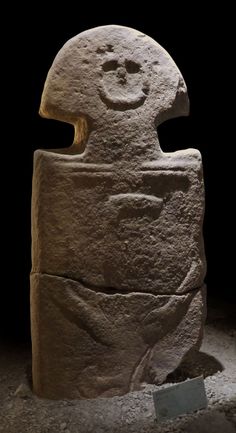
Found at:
[112, 290]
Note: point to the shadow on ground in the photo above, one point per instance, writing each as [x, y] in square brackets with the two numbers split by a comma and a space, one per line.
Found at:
[198, 364]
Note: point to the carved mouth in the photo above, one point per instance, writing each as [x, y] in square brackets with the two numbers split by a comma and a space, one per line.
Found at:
[124, 99]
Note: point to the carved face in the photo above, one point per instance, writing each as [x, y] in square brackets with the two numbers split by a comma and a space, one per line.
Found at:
[123, 85]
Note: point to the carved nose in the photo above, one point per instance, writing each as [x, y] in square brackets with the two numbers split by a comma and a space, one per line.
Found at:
[137, 205]
[121, 74]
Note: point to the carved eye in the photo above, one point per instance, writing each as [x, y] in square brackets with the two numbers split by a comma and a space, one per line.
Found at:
[132, 67]
[110, 65]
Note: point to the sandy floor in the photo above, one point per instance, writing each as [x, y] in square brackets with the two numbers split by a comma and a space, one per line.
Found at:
[22, 412]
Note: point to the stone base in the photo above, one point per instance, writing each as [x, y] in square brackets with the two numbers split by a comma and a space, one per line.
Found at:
[88, 343]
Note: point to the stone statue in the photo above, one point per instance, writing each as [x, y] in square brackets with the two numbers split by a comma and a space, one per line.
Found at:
[117, 294]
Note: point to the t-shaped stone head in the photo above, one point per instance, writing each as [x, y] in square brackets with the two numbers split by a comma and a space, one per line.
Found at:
[109, 75]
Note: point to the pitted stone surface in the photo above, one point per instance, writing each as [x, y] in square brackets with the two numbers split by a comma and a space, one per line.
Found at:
[118, 263]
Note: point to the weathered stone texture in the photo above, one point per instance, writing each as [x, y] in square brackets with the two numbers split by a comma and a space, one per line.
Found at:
[117, 294]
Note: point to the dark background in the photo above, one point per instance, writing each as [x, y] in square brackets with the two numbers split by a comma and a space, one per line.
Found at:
[199, 45]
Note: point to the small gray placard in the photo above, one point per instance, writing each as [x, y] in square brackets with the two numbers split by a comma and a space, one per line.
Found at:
[185, 397]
